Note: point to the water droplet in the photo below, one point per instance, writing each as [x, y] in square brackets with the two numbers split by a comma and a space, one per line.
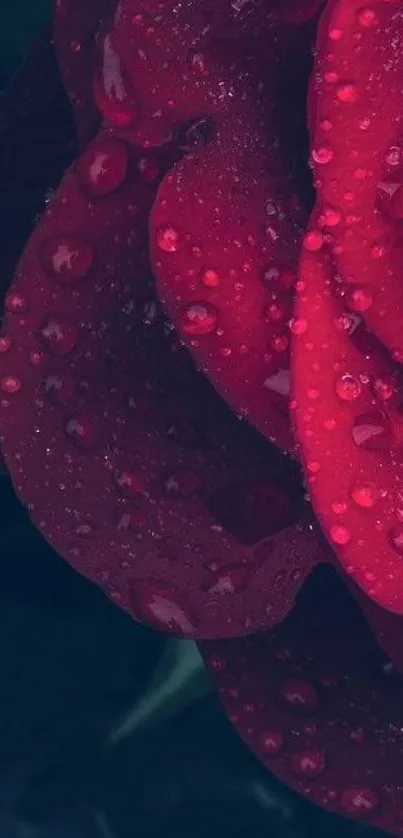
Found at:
[313, 241]
[347, 92]
[199, 318]
[230, 581]
[162, 607]
[112, 90]
[10, 384]
[395, 538]
[5, 344]
[330, 217]
[340, 534]
[181, 483]
[371, 432]
[322, 155]
[198, 63]
[102, 169]
[299, 696]
[393, 156]
[359, 299]
[59, 335]
[15, 303]
[129, 483]
[167, 238]
[348, 388]
[367, 17]
[271, 742]
[359, 802]
[210, 278]
[59, 388]
[308, 764]
[298, 326]
[80, 430]
[365, 495]
[66, 258]
[195, 133]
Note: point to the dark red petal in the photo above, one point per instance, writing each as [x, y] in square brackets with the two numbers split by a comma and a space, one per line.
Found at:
[317, 702]
[76, 27]
[355, 115]
[347, 411]
[299, 11]
[228, 285]
[225, 270]
[130, 465]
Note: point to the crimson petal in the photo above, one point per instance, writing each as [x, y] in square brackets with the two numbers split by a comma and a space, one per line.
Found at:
[76, 26]
[355, 115]
[317, 702]
[347, 411]
[132, 469]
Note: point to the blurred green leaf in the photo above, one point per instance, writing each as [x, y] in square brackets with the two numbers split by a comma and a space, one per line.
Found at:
[179, 679]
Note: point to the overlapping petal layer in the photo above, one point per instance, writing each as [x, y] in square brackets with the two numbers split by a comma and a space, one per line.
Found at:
[319, 704]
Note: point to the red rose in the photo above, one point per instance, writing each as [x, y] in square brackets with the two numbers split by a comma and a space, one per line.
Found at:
[145, 447]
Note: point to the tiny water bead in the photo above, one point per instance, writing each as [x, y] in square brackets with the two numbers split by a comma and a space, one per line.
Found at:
[112, 89]
[80, 430]
[308, 764]
[348, 388]
[271, 742]
[347, 92]
[359, 299]
[299, 696]
[359, 801]
[10, 385]
[198, 319]
[66, 258]
[102, 169]
[340, 535]
[168, 238]
[395, 538]
[210, 278]
[365, 495]
[59, 335]
[371, 432]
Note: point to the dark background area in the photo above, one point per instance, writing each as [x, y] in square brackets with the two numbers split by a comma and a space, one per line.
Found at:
[72, 664]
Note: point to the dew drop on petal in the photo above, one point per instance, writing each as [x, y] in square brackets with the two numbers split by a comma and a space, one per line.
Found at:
[359, 802]
[395, 538]
[308, 764]
[80, 430]
[347, 92]
[102, 169]
[348, 388]
[210, 278]
[340, 534]
[198, 318]
[365, 495]
[299, 696]
[167, 238]
[58, 335]
[66, 258]
[271, 742]
[10, 384]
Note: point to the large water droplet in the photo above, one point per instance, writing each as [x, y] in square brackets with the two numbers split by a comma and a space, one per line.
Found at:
[162, 607]
[198, 318]
[365, 495]
[103, 167]
[59, 335]
[112, 89]
[66, 258]
[80, 430]
[348, 388]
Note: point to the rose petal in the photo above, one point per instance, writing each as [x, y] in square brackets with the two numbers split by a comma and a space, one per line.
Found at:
[76, 26]
[355, 115]
[316, 701]
[347, 412]
[228, 286]
[130, 466]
